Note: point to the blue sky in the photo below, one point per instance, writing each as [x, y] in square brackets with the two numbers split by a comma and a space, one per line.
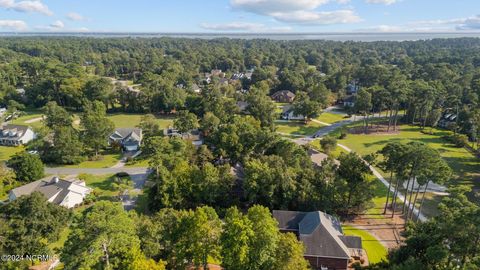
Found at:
[240, 15]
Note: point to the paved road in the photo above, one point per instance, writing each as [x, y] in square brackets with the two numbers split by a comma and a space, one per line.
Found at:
[101, 171]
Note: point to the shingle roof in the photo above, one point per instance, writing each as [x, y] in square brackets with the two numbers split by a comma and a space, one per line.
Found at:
[283, 93]
[49, 188]
[320, 233]
[351, 241]
[12, 131]
[128, 133]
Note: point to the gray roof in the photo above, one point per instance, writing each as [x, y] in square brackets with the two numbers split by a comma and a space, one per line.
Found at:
[320, 233]
[48, 187]
[351, 241]
[12, 131]
[287, 93]
[128, 133]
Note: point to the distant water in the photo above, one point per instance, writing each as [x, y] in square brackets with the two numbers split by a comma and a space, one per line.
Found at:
[273, 36]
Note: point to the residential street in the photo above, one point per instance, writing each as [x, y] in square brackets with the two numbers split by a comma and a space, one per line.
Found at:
[99, 171]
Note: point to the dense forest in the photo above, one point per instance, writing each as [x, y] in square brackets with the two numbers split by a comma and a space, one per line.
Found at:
[213, 202]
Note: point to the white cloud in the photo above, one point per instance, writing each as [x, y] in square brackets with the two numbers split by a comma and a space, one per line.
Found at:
[26, 6]
[57, 24]
[320, 17]
[75, 17]
[265, 7]
[81, 29]
[297, 11]
[385, 2]
[472, 23]
[243, 27]
[441, 25]
[15, 25]
[54, 26]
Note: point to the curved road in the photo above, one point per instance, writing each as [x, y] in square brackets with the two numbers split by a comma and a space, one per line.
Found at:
[322, 132]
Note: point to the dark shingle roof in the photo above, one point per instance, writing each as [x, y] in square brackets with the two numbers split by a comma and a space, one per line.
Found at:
[319, 232]
[351, 241]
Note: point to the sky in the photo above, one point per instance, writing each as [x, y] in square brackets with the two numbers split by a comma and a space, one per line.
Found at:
[252, 16]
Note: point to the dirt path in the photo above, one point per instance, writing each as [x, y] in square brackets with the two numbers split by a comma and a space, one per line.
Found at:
[34, 120]
[386, 229]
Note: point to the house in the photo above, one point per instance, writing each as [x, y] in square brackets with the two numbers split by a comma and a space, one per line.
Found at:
[16, 135]
[448, 120]
[288, 114]
[67, 193]
[193, 136]
[2, 111]
[196, 89]
[352, 88]
[326, 247]
[20, 91]
[242, 106]
[217, 73]
[129, 138]
[283, 96]
[349, 101]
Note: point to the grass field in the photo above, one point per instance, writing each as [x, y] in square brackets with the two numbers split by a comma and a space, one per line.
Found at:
[7, 151]
[297, 127]
[29, 115]
[330, 118]
[123, 120]
[465, 165]
[375, 250]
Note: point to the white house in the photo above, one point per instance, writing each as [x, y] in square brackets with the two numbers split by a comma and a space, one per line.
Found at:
[288, 114]
[15, 135]
[67, 193]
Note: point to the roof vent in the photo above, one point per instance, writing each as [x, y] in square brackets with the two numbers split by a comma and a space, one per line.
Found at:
[55, 179]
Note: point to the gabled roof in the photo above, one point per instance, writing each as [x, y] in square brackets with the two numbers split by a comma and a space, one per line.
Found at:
[13, 131]
[321, 233]
[51, 188]
[127, 134]
[283, 93]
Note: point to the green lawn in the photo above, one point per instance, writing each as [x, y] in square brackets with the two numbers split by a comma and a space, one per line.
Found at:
[465, 165]
[103, 161]
[330, 118]
[7, 151]
[29, 115]
[57, 245]
[103, 185]
[297, 127]
[123, 120]
[375, 250]
[138, 162]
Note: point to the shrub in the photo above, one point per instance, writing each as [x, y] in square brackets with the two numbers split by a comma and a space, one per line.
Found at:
[459, 140]
[328, 144]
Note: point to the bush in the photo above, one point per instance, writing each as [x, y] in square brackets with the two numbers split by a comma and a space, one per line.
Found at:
[459, 140]
[328, 144]
[343, 134]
